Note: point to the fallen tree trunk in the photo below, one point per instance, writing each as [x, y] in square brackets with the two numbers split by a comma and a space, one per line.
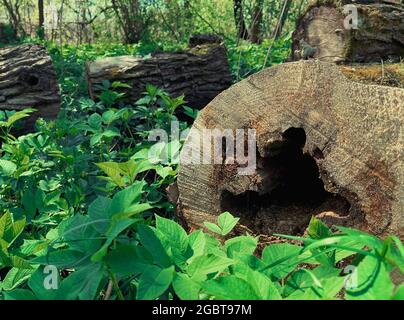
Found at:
[326, 146]
[28, 79]
[379, 34]
[199, 73]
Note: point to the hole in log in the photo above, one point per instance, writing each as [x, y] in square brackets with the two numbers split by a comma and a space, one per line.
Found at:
[288, 193]
[32, 80]
[29, 79]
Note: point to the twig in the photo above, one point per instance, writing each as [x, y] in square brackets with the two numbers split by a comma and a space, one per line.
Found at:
[109, 290]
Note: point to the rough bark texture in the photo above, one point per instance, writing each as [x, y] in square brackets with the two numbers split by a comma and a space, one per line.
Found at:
[200, 73]
[380, 33]
[28, 79]
[327, 146]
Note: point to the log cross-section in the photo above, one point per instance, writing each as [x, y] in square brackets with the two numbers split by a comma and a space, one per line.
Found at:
[28, 79]
[326, 146]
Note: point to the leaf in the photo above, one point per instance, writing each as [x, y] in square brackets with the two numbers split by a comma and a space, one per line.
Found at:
[115, 229]
[113, 170]
[230, 288]
[301, 285]
[154, 246]
[10, 229]
[370, 281]
[99, 210]
[399, 294]
[28, 202]
[95, 121]
[82, 284]
[37, 284]
[227, 222]
[213, 227]
[262, 285]
[154, 282]
[201, 266]
[242, 245]
[80, 234]
[7, 168]
[62, 258]
[185, 287]
[122, 201]
[281, 259]
[33, 247]
[133, 210]
[317, 229]
[19, 294]
[16, 277]
[125, 261]
[17, 116]
[197, 242]
[174, 233]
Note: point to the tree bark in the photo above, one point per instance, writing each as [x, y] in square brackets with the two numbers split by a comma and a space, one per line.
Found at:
[130, 19]
[380, 33]
[200, 73]
[326, 146]
[242, 32]
[41, 24]
[255, 29]
[28, 79]
[13, 11]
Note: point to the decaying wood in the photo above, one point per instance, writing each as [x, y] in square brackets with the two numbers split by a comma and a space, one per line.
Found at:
[28, 79]
[379, 36]
[200, 73]
[391, 75]
[327, 146]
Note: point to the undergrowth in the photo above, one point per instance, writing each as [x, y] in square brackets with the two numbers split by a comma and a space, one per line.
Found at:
[84, 212]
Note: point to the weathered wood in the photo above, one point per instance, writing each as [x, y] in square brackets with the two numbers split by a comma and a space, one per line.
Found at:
[200, 73]
[28, 79]
[327, 146]
[391, 75]
[380, 33]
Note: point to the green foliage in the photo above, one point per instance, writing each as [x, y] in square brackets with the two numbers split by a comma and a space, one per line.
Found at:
[86, 194]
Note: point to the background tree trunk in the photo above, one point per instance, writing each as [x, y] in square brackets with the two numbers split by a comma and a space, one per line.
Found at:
[14, 14]
[380, 33]
[130, 18]
[326, 146]
[282, 18]
[242, 32]
[255, 29]
[200, 73]
[28, 79]
[41, 24]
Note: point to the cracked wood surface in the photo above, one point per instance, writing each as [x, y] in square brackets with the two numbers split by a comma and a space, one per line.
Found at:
[356, 128]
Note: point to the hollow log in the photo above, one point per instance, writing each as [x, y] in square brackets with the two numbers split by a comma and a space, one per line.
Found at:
[28, 79]
[326, 146]
[379, 34]
[200, 73]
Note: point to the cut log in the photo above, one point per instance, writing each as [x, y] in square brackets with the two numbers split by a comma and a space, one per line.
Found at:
[200, 73]
[379, 34]
[28, 79]
[327, 146]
